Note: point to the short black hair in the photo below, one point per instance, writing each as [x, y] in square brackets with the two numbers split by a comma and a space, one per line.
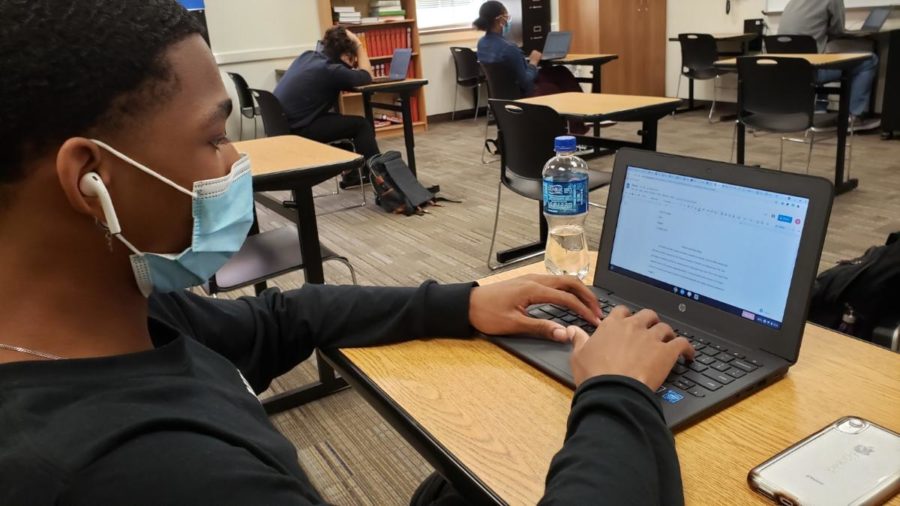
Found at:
[487, 14]
[336, 43]
[72, 67]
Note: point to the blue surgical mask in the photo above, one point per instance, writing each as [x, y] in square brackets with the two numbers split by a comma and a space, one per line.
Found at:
[223, 213]
[507, 27]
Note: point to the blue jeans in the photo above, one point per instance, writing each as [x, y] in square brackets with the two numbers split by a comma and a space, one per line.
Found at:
[861, 78]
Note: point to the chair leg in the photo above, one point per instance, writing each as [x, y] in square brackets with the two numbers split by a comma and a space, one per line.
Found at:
[781, 155]
[812, 142]
[477, 100]
[712, 109]
[349, 267]
[678, 90]
[850, 149]
[487, 126]
[494, 232]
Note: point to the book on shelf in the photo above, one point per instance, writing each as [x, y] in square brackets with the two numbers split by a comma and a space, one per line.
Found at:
[369, 20]
[387, 12]
[343, 8]
[390, 19]
[386, 3]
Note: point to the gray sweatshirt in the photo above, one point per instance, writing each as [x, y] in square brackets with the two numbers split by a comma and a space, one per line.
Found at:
[818, 18]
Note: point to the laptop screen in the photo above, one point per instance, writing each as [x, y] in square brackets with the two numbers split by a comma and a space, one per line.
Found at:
[876, 19]
[730, 247]
[400, 62]
[557, 43]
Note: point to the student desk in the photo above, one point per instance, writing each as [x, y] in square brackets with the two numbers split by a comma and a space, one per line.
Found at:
[290, 162]
[490, 423]
[404, 90]
[840, 61]
[595, 61]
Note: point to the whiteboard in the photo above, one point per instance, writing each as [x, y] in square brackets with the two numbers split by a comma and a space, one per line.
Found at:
[779, 5]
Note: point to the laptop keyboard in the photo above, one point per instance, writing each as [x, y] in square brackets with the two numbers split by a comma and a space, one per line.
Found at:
[714, 365]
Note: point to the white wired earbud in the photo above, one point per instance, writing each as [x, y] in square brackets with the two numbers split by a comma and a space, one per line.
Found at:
[92, 186]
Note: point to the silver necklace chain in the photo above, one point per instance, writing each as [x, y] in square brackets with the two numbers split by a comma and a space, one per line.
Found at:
[27, 351]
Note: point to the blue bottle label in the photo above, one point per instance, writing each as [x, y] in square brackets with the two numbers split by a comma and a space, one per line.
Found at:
[565, 197]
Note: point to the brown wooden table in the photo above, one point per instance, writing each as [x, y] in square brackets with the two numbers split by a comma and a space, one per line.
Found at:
[490, 423]
[839, 61]
[293, 163]
[593, 60]
[404, 90]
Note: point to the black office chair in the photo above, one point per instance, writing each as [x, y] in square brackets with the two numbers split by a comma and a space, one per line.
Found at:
[501, 85]
[790, 44]
[468, 75]
[777, 95]
[528, 136]
[757, 26]
[263, 256]
[698, 58]
[275, 123]
[248, 107]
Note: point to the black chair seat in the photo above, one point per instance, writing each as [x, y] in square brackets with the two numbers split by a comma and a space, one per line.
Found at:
[533, 188]
[793, 122]
[264, 256]
[706, 73]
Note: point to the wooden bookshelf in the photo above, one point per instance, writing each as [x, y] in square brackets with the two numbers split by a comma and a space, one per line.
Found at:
[351, 103]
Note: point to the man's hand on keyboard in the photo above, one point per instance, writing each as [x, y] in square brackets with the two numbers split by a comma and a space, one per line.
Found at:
[499, 308]
[638, 346]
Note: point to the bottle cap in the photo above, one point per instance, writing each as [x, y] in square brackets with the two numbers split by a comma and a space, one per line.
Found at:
[564, 143]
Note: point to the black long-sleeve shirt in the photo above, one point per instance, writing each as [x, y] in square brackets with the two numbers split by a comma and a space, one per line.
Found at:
[179, 424]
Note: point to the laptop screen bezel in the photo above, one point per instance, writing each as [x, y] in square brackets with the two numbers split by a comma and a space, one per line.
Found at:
[873, 27]
[784, 342]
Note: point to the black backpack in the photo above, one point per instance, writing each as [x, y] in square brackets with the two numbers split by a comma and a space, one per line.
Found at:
[396, 188]
[868, 288]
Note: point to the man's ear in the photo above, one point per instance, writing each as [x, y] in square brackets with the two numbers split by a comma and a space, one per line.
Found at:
[76, 157]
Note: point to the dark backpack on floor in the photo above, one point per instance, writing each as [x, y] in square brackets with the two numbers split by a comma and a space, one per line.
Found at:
[396, 188]
[867, 289]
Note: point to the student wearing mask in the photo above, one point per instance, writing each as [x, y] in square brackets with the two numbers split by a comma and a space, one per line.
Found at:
[118, 386]
[824, 19]
[494, 20]
[309, 91]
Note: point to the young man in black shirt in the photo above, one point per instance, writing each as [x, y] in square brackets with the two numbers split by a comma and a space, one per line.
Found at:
[309, 90]
[110, 397]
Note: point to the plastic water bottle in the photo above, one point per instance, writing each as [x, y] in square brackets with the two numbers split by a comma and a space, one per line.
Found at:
[565, 208]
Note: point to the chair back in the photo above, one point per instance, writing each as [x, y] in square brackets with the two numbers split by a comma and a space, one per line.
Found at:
[245, 100]
[528, 136]
[466, 62]
[501, 82]
[757, 26]
[274, 120]
[790, 44]
[698, 52]
[776, 93]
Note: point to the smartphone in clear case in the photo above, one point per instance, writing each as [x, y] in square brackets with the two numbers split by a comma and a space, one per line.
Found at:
[851, 462]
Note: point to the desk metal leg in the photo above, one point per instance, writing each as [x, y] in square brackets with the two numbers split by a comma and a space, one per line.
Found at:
[741, 139]
[648, 134]
[311, 252]
[367, 107]
[526, 251]
[408, 131]
[596, 82]
[841, 186]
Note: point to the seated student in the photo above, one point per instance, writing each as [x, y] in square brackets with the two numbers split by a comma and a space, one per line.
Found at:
[309, 90]
[822, 19]
[111, 397]
[494, 20]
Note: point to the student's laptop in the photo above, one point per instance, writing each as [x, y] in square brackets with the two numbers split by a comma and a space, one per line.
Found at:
[725, 254]
[873, 23]
[399, 66]
[556, 46]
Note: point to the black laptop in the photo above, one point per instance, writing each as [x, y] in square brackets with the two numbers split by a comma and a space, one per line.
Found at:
[726, 254]
[556, 47]
[874, 21]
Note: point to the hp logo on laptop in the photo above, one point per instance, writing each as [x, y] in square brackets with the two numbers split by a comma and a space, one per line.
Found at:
[682, 307]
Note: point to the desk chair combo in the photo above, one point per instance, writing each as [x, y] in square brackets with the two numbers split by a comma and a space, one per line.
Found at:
[468, 75]
[501, 85]
[698, 57]
[275, 123]
[526, 144]
[248, 107]
[778, 95]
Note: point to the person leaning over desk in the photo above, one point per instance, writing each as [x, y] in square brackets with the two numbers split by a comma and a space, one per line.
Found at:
[309, 91]
[121, 387]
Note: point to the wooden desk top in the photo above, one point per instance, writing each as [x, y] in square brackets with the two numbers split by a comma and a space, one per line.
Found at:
[596, 104]
[816, 59]
[273, 155]
[504, 420]
[585, 58]
[406, 83]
